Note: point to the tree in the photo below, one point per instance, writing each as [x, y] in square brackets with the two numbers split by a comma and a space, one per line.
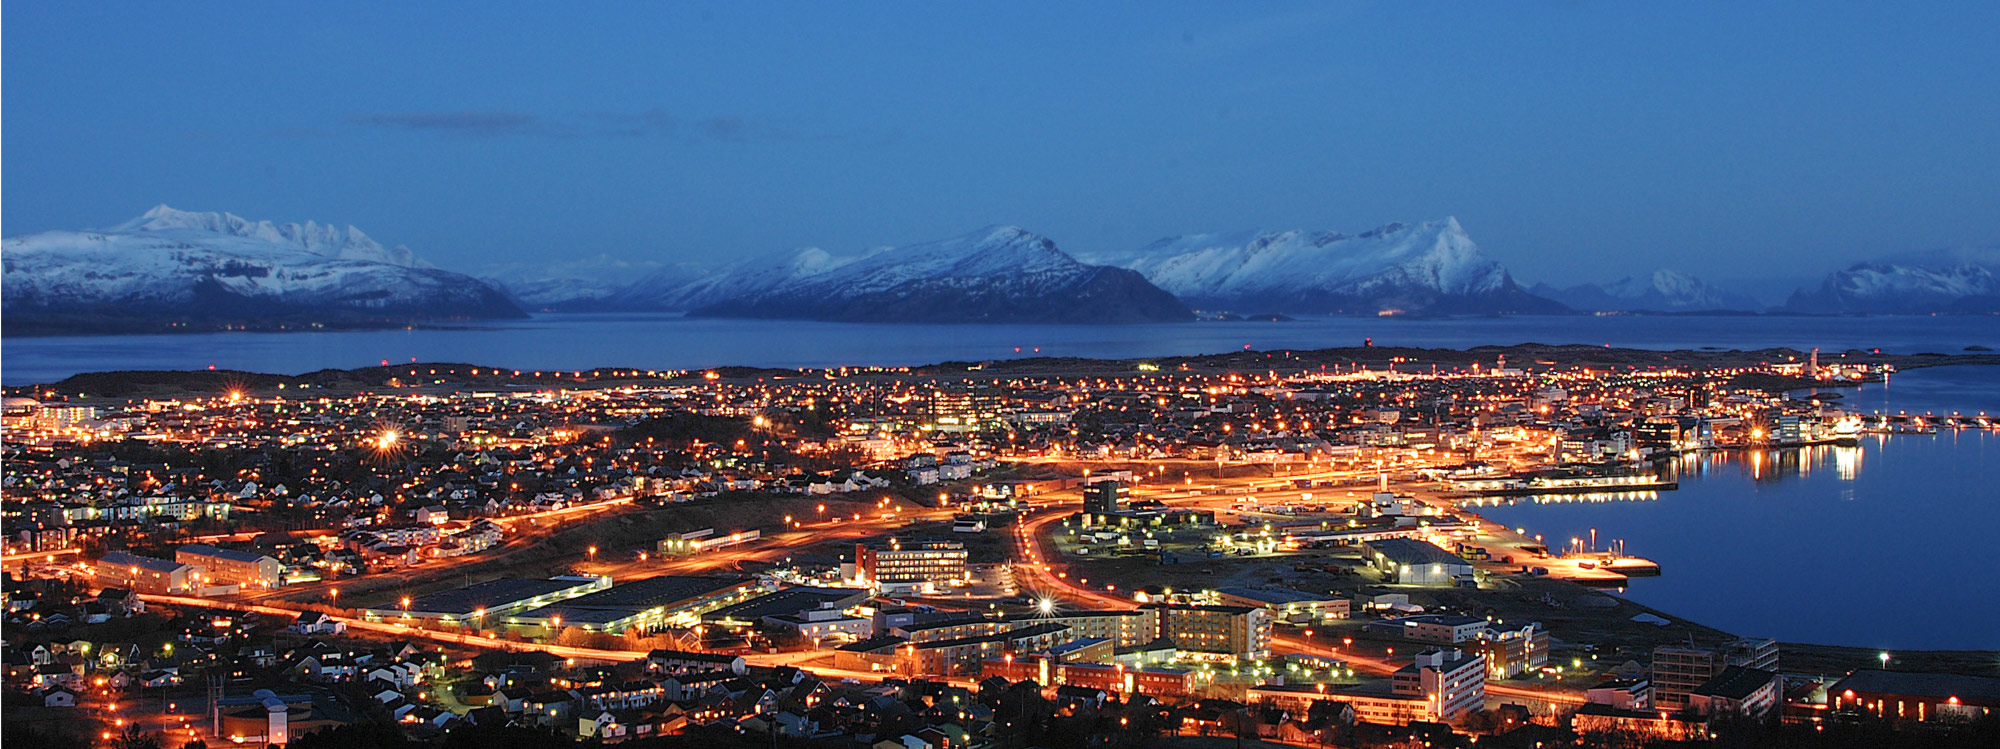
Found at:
[137, 738]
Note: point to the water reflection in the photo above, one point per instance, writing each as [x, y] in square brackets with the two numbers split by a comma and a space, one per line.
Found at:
[1731, 540]
[1770, 464]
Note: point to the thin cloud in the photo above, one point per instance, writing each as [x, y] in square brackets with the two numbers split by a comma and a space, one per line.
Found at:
[650, 123]
[483, 124]
[632, 125]
[733, 129]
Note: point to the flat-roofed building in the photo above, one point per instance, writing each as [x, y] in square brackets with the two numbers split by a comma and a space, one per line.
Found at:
[899, 566]
[1443, 629]
[1677, 671]
[1624, 694]
[1287, 604]
[1113, 679]
[703, 541]
[787, 602]
[1236, 633]
[1373, 702]
[488, 603]
[963, 410]
[1510, 653]
[231, 567]
[1103, 496]
[1452, 683]
[1736, 690]
[1408, 561]
[144, 574]
[1123, 628]
[962, 656]
[646, 605]
[1908, 695]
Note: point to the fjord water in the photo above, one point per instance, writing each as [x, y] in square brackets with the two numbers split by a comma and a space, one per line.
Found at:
[664, 341]
[1886, 545]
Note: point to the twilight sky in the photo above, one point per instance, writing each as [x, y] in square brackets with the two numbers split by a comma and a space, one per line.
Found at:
[1575, 140]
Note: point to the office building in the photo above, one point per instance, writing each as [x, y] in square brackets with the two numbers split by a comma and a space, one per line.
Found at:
[963, 410]
[899, 566]
[1677, 671]
[1513, 652]
[1452, 683]
[1103, 496]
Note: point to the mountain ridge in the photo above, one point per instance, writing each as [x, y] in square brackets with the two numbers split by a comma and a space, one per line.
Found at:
[995, 274]
[1430, 267]
[168, 269]
[1662, 290]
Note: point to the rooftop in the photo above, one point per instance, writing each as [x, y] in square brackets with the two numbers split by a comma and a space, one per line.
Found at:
[784, 602]
[1411, 551]
[221, 553]
[1736, 683]
[1275, 596]
[122, 559]
[1944, 686]
[492, 594]
[656, 591]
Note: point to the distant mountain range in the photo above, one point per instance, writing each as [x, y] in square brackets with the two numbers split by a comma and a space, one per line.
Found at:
[1427, 268]
[1955, 281]
[996, 274]
[171, 268]
[1660, 291]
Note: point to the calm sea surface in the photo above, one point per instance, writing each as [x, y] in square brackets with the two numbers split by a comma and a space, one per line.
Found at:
[673, 342]
[1889, 545]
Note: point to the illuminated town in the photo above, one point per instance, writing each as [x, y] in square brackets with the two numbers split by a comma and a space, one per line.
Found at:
[1285, 546]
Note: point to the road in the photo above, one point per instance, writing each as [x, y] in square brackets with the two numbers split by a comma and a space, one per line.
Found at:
[1040, 563]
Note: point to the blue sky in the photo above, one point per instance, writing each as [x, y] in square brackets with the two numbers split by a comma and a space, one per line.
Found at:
[1575, 140]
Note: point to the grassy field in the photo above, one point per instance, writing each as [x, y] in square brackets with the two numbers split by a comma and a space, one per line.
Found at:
[618, 535]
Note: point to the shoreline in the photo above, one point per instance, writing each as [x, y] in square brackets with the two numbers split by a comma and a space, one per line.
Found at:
[1411, 360]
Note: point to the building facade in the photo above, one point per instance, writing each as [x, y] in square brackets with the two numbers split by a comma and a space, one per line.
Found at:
[230, 567]
[1236, 633]
[144, 574]
[897, 565]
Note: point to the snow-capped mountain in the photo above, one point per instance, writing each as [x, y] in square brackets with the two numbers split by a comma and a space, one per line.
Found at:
[319, 239]
[689, 287]
[1959, 281]
[576, 285]
[172, 268]
[1431, 267]
[996, 274]
[1662, 290]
